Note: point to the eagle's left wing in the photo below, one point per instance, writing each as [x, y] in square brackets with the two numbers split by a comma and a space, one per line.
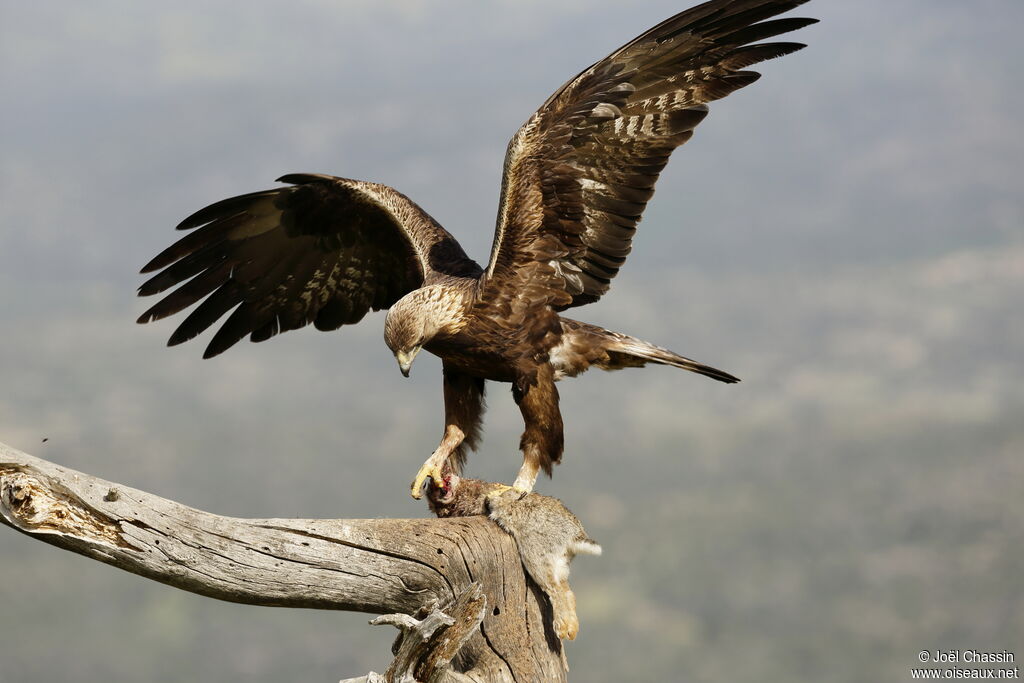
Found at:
[580, 171]
[321, 250]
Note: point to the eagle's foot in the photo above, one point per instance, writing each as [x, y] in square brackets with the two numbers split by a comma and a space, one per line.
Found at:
[504, 492]
[431, 468]
[501, 489]
[453, 436]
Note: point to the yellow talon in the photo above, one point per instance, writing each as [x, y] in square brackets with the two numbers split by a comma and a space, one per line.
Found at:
[499, 491]
[427, 470]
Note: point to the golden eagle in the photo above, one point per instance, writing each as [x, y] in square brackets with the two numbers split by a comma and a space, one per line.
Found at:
[578, 174]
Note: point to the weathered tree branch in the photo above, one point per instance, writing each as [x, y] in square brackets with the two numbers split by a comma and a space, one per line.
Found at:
[379, 566]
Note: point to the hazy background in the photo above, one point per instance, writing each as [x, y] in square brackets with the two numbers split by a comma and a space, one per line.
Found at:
[845, 235]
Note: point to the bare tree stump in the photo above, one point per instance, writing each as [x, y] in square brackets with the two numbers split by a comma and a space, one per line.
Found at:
[480, 616]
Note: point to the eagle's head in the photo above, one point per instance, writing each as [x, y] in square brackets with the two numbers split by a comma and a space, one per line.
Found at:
[411, 323]
[403, 333]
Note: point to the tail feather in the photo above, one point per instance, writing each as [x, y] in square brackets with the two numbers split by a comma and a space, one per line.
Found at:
[649, 353]
[615, 351]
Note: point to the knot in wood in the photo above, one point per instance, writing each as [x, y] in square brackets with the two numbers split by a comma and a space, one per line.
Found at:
[34, 503]
[16, 496]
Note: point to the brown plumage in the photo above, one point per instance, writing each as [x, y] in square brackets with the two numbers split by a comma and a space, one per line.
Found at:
[578, 175]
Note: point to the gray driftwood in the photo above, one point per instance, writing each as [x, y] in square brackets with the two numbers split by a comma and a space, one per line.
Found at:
[453, 574]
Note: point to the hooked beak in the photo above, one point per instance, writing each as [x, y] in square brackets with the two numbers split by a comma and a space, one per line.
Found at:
[405, 359]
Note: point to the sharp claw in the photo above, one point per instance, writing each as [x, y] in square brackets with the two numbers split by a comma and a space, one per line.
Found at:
[418, 482]
[518, 490]
[428, 470]
[497, 494]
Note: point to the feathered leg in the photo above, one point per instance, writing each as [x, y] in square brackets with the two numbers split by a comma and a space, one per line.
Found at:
[463, 413]
[542, 439]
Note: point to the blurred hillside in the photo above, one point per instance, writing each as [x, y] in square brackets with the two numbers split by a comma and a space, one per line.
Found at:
[844, 235]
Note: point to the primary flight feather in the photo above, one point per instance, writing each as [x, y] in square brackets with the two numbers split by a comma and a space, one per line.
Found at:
[578, 175]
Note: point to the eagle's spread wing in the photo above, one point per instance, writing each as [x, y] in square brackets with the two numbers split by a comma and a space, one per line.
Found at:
[323, 250]
[580, 171]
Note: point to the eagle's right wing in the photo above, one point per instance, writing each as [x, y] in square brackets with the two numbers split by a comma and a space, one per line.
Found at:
[324, 250]
[580, 171]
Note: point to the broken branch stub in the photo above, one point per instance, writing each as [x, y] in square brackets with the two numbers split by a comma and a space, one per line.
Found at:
[427, 645]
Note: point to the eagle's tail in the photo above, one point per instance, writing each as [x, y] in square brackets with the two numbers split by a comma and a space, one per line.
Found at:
[649, 353]
[622, 351]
